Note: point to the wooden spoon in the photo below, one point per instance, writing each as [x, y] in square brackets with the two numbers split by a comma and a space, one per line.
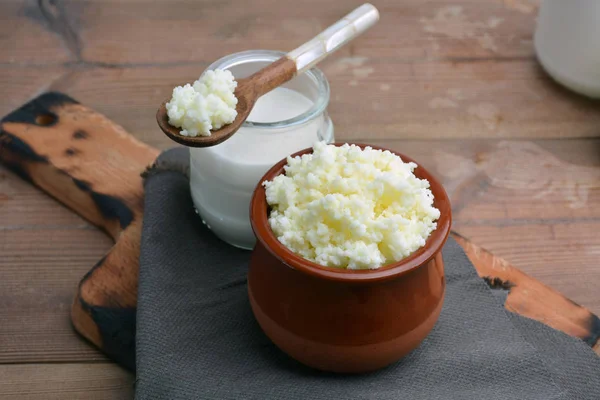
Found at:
[279, 72]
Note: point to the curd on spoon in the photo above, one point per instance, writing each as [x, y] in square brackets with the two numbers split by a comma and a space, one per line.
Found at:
[206, 105]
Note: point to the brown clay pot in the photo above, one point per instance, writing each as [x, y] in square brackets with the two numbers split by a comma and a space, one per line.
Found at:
[340, 320]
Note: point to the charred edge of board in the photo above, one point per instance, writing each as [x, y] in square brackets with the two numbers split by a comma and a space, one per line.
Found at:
[497, 283]
[19, 170]
[594, 337]
[109, 206]
[14, 153]
[83, 185]
[40, 106]
[117, 332]
[91, 271]
[116, 326]
[593, 327]
[17, 146]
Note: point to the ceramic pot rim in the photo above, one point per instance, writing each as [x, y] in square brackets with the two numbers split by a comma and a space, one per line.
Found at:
[434, 244]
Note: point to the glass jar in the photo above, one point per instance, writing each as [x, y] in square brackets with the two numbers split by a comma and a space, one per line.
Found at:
[223, 177]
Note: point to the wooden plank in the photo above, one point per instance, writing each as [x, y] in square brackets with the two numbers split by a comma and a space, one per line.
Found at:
[434, 80]
[20, 84]
[25, 207]
[562, 256]
[409, 30]
[452, 70]
[398, 101]
[30, 34]
[444, 100]
[473, 172]
[40, 268]
[94, 166]
[103, 381]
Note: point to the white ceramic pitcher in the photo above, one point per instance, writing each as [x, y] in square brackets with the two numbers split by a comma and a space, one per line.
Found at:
[567, 43]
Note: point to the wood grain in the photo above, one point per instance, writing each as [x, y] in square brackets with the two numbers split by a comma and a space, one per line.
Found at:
[477, 198]
[92, 165]
[40, 267]
[65, 382]
[483, 100]
[564, 257]
[448, 77]
[27, 34]
[21, 84]
[24, 207]
[408, 30]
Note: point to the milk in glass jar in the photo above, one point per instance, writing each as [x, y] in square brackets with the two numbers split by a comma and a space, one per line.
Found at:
[290, 118]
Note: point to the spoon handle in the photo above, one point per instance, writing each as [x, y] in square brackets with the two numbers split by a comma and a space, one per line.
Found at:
[310, 53]
[334, 37]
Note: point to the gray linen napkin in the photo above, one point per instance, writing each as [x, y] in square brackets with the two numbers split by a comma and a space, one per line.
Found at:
[197, 337]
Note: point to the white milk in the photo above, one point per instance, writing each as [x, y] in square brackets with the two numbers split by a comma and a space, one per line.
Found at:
[223, 177]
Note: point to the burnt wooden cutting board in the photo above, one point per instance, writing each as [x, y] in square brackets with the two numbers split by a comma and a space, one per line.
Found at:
[93, 166]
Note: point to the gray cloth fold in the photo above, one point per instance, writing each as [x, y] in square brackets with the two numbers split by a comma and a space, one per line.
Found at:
[197, 337]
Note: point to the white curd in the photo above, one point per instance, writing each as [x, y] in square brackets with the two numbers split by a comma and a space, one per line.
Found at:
[351, 208]
[206, 105]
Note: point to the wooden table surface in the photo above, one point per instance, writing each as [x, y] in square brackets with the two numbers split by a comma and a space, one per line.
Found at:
[453, 83]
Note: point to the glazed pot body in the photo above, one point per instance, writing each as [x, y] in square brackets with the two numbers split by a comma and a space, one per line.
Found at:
[341, 320]
[344, 326]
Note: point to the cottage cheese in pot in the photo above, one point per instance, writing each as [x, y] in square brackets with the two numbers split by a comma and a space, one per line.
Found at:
[351, 208]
